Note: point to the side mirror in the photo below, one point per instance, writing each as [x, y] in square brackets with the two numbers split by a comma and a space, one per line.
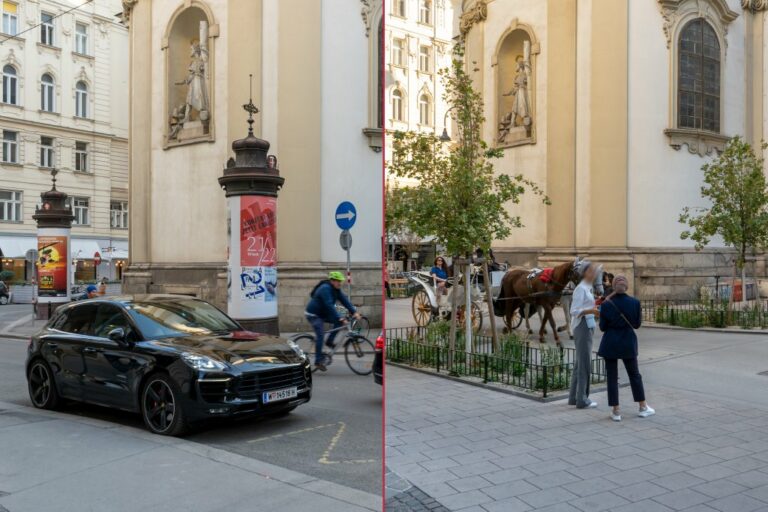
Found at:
[117, 334]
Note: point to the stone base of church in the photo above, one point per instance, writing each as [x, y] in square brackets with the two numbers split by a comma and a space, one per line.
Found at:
[653, 273]
[208, 281]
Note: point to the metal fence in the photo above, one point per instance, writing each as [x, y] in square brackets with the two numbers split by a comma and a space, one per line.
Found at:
[518, 364]
[706, 313]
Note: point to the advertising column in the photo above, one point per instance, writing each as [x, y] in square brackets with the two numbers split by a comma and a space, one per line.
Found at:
[251, 181]
[54, 224]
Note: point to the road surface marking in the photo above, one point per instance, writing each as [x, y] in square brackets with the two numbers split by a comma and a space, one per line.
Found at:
[302, 431]
[326, 458]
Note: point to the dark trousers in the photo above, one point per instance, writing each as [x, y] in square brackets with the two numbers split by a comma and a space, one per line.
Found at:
[635, 380]
[318, 325]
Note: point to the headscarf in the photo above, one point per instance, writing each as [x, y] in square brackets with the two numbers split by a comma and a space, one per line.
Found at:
[620, 284]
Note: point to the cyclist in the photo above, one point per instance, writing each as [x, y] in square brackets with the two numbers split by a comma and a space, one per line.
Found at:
[322, 309]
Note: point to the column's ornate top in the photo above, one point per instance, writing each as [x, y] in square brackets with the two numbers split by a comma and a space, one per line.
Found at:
[368, 12]
[128, 6]
[473, 15]
[754, 5]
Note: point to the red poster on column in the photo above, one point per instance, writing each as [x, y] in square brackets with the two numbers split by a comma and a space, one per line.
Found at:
[52, 265]
[258, 231]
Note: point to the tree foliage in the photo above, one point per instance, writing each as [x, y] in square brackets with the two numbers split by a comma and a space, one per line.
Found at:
[736, 188]
[456, 196]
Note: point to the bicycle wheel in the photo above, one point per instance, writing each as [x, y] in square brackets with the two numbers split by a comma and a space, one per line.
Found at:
[359, 353]
[306, 343]
[361, 326]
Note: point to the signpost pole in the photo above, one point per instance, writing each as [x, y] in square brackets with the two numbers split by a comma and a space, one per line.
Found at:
[349, 277]
[346, 215]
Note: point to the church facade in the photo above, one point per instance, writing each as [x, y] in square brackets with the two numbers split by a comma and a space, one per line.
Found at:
[316, 88]
[614, 106]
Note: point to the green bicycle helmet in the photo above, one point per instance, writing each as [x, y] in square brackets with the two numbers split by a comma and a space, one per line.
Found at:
[336, 276]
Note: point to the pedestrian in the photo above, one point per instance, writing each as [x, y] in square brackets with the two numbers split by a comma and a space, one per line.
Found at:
[583, 314]
[620, 316]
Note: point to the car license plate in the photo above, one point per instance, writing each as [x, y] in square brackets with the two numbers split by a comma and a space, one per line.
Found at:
[280, 394]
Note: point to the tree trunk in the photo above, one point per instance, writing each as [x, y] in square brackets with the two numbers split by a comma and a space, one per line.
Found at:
[489, 300]
[452, 335]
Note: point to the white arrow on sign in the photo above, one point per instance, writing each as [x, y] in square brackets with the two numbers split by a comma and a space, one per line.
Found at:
[349, 215]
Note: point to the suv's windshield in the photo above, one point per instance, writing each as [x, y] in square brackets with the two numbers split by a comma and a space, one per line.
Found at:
[159, 319]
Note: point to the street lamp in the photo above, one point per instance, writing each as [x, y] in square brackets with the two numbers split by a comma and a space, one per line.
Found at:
[444, 137]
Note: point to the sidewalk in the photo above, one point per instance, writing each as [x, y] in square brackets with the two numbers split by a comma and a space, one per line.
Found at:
[477, 450]
[52, 462]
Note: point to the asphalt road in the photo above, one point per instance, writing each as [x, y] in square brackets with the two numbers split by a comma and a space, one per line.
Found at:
[336, 437]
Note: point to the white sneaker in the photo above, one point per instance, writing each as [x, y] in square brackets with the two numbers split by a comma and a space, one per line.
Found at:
[615, 416]
[592, 405]
[648, 411]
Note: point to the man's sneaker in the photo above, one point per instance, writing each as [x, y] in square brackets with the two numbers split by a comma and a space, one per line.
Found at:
[321, 367]
[615, 416]
[592, 405]
[645, 412]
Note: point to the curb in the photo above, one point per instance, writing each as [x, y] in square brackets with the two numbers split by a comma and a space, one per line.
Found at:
[560, 395]
[265, 470]
[725, 330]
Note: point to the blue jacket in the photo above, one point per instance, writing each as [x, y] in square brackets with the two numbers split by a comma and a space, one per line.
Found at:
[619, 339]
[323, 303]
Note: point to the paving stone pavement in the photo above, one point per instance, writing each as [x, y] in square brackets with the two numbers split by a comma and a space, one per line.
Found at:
[476, 450]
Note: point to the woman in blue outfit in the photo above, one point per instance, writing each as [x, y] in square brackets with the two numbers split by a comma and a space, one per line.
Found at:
[439, 273]
[620, 315]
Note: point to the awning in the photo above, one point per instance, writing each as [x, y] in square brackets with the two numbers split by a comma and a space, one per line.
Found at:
[84, 249]
[117, 250]
[16, 246]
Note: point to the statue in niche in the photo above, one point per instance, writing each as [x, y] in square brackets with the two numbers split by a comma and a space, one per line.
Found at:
[192, 118]
[519, 118]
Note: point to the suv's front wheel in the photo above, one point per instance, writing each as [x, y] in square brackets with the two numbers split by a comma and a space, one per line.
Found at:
[161, 406]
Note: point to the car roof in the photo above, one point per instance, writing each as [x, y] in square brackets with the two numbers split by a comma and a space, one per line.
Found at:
[129, 299]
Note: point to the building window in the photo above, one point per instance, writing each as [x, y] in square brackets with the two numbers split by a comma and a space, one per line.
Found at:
[10, 18]
[81, 38]
[398, 52]
[10, 206]
[10, 85]
[81, 156]
[10, 147]
[46, 93]
[46, 151]
[425, 110]
[425, 12]
[46, 29]
[80, 209]
[118, 211]
[398, 8]
[81, 99]
[699, 77]
[397, 105]
[424, 59]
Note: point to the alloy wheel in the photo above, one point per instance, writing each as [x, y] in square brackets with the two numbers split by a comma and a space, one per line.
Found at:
[39, 385]
[159, 406]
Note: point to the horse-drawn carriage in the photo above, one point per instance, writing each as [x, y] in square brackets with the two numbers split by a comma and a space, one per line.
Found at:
[432, 302]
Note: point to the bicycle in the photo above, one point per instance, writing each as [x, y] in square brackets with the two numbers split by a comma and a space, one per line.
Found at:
[359, 352]
[360, 325]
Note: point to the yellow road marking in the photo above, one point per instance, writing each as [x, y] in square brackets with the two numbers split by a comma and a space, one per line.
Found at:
[277, 436]
[325, 459]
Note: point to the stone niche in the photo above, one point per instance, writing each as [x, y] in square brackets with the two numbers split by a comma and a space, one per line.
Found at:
[515, 64]
[189, 70]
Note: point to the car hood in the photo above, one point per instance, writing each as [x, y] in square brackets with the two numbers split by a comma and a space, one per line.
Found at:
[239, 348]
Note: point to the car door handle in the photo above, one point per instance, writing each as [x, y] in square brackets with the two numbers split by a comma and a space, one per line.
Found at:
[53, 345]
[92, 350]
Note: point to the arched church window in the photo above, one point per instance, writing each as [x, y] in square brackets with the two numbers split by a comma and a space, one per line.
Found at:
[699, 77]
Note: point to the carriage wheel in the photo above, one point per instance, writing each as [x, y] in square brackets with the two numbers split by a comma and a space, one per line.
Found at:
[477, 317]
[421, 308]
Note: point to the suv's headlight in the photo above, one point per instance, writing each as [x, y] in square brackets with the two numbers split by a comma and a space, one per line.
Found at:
[199, 362]
[297, 349]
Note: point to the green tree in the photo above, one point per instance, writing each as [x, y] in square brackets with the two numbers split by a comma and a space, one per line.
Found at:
[736, 188]
[457, 197]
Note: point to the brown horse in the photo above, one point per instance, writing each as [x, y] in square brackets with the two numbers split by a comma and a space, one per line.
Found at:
[517, 289]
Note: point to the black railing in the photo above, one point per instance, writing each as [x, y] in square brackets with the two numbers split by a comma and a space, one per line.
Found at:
[706, 313]
[516, 363]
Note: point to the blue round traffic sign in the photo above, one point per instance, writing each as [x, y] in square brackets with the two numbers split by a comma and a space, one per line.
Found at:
[346, 215]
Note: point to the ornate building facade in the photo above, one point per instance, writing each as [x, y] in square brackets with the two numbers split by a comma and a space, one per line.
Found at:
[614, 106]
[64, 106]
[318, 92]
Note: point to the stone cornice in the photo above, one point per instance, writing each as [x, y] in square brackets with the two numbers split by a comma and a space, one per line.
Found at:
[128, 6]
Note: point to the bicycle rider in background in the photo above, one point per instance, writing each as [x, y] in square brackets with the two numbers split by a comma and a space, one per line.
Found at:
[322, 309]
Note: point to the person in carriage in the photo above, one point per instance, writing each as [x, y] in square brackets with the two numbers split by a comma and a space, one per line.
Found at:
[439, 273]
